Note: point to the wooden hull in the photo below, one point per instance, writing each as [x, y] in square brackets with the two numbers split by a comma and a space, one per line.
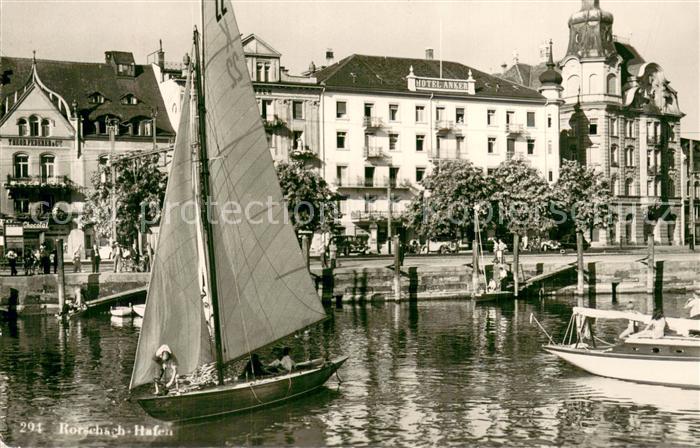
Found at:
[663, 369]
[238, 397]
[121, 311]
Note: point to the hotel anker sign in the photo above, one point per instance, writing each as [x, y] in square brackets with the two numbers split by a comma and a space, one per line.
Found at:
[441, 84]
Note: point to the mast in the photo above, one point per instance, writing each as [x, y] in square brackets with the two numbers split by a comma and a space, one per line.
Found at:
[206, 222]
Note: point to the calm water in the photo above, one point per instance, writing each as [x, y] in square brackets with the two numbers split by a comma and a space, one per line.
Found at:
[441, 373]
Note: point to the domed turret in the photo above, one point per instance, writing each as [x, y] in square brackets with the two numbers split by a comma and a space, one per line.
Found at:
[551, 75]
[590, 32]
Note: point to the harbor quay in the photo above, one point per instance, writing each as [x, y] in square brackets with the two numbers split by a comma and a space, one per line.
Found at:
[372, 279]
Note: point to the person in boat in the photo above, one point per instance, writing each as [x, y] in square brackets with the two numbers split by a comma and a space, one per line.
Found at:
[632, 326]
[284, 363]
[167, 377]
[656, 328]
[254, 368]
[492, 286]
[694, 306]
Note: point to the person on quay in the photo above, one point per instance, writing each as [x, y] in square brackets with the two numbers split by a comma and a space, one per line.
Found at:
[28, 262]
[167, 372]
[96, 258]
[116, 256]
[284, 362]
[12, 261]
[333, 250]
[76, 260]
[44, 260]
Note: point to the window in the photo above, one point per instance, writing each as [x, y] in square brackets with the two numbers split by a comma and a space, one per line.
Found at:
[490, 171]
[629, 156]
[549, 121]
[47, 167]
[439, 113]
[510, 117]
[258, 72]
[628, 187]
[298, 110]
[530, 147]
[612, 83]
[266, 110]
[671, 134]
[420, 114]
[420, 140]
[340, 139]
[21, 164]
[297, 139]
[393, 176]
[629, 132]
[341, 109]
[593, 127]
[267, 72]
[97, 98]
[146, 128]
[510, 147]
[614, 185]
[22, 128]
[393, 112]
[341, 175]
[369, 108]
[671, 158]
[549, 147]
[492, 145]
[613, 127]
[393, 141]
[34, 126]
[530, 119]
[129, 99]
[45, 128]
[490, 117]
[550, 175]
[438, 145]
[460, 145]
[420, 174]
[22, 205]
[369, 176]
[459, 115]
[613, 155]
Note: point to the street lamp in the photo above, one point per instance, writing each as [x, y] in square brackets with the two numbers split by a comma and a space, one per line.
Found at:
[112, 125]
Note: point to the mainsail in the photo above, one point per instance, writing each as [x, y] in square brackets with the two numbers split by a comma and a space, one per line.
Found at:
[174, 311]
[264, 289]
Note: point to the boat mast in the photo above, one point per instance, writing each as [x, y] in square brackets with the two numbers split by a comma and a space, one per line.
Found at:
[205, 188]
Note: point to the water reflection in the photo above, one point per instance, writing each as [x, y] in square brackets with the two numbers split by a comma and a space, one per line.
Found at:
[426, 373]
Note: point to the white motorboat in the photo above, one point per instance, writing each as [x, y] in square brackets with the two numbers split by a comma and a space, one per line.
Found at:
[121, 311]
[669, 360]
[140, 310]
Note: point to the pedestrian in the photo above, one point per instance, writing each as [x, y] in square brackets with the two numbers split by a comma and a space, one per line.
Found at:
[12, 261]
[96, 258]
[28, 262]
[501, 248]
[150, 256]
[146, 262]
[54, 260]
[76, 260]
[333, 249]
[402, 253]
[116, 256]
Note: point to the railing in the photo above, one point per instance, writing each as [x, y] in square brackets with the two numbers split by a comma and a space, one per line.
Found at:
[274, 125]
[358, 215]
[372, 122]
[444, 125]
[375, 152]
[512, 128]
[51, 182]
[653, 139]
[373, 182]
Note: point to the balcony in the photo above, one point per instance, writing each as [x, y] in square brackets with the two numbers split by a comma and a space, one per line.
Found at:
[444, 126]
[303, 153]
[57, 183]
[274, 125]
[375, 152]
[359, 216]
[372, 123]
[653, 140]
[373, 182]
[652, 170]
[512, 128]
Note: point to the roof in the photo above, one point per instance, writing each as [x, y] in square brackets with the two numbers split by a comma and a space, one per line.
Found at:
[121, 57]
[525, 74]
[383, 73]
[75, 81]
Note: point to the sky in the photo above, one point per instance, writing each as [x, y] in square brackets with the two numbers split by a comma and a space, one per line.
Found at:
[481, 34]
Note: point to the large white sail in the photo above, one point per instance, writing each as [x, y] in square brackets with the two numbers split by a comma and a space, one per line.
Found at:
[174, 311]
[264, 289]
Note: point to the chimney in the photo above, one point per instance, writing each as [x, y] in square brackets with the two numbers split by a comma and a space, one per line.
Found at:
[161, 55]
[329, 56]
[429, 54]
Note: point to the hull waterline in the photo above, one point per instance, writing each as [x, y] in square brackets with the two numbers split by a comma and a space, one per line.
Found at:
[662, 369]
[238, 397]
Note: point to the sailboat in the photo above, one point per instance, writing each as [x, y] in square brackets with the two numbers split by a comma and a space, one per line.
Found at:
[256, 288]
[481, 292]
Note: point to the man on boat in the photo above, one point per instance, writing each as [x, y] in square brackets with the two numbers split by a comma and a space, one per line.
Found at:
[285, 362]
[632, 326]
[168, 370]
[656, 329]
[254, 368]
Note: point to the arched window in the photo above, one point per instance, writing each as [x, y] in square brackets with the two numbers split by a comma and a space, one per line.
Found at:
[22, 129]
[671, 158]
[658, 187]
[614, 185]
[21, 165]
[697, 189]
[572, 85]
[613, 155]
[45, 128]
[103, 162]
[34, 126]
[48, 167]
[650, 187]
[593, 84]
[612, 84]
[629, 156]
[671, 188]
[629, 186]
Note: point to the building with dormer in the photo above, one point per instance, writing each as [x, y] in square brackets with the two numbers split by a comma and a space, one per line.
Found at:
[54, 118]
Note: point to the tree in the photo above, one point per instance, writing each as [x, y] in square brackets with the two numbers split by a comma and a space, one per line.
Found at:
[446, 206]
[582, 196]
[522, 198]
[140, 190]
[311, 204]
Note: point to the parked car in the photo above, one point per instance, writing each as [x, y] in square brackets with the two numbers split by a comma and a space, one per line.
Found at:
[440, 247]
[352, 244]
[547, 245]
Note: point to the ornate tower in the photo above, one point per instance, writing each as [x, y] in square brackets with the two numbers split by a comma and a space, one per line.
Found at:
[590, 32]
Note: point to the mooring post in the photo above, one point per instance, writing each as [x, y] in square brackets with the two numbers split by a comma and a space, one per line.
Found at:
[397, 268]
[651, 264]
[516, 263]
[579, 263]
[60, 277]
[305, 249]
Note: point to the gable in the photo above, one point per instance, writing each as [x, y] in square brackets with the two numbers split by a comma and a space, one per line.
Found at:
[37, 103]
[254, 45]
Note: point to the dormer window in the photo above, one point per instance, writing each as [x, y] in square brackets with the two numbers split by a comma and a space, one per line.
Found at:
[129, 99]
[22, 129]
[97, 98]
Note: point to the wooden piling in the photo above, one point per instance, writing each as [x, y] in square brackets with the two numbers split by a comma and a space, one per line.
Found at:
[397, 269]
[60, 276]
